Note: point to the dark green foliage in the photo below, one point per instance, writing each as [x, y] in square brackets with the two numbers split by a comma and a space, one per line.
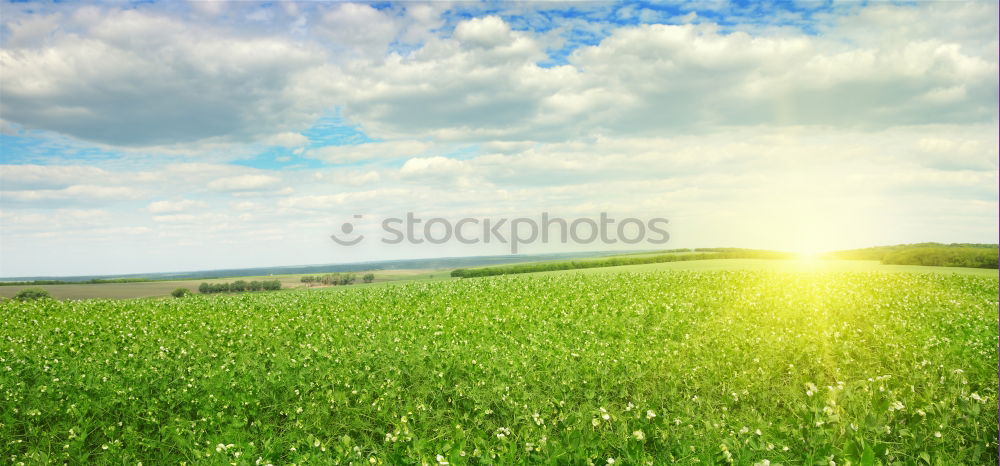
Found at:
[368, 278]
[720, 253]
[29, 294]
[180, 292]
[239, 286]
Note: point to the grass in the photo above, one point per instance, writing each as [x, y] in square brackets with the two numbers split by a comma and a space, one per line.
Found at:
[741, 366]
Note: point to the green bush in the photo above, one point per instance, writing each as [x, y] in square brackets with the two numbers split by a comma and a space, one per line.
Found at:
[29, 294]
[180, 292]
[271, 285]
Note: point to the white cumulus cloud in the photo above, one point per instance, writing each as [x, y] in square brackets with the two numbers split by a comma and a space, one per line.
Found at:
[244, 183]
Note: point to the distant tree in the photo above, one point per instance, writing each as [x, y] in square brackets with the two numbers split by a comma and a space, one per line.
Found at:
[180, 292]
[204, 288]
[308, 279]
[238, 285]
[29, 294]
[368, 278]
[255, 286]
[271, 285]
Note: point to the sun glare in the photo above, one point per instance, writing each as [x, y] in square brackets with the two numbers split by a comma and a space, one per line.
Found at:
[809, 255]
[811, 248]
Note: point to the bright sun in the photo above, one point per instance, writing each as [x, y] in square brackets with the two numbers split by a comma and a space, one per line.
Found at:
[809, 254]
[810, 248]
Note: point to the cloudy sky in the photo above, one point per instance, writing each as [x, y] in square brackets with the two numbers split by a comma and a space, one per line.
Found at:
[183, 136]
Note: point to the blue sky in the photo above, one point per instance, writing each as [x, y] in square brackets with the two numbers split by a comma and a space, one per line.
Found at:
[169, 136]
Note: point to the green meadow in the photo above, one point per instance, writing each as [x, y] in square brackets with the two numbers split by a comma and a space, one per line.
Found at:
[737, 361]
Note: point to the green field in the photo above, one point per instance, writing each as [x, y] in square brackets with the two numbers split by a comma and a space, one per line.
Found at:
[162, 288]
[759, 364]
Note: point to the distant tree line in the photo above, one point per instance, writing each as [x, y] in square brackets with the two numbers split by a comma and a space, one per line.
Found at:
[983, 256]
[944, 257]
[336, 279]
[239, 286]
[697, 254]
[741, 253]
[661, 251]
[92, 281]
